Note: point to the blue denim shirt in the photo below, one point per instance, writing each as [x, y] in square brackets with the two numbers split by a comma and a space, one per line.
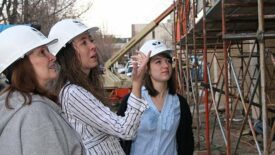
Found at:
[156, 134]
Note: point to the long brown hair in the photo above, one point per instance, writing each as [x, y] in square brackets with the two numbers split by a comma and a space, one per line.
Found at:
[171, 83]
[23, 80]
[70, 72]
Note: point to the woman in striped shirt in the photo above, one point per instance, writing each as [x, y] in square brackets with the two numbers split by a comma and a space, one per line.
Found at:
[80, 90]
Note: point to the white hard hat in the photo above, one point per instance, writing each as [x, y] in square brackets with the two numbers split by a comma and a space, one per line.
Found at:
[155, 46]
[66, 30]
[18, 40]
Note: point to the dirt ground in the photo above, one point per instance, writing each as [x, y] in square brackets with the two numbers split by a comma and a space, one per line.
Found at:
[218, 147]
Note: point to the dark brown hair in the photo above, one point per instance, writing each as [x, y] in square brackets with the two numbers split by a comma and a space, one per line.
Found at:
[171, 84]
[70, 72]
[23, 80]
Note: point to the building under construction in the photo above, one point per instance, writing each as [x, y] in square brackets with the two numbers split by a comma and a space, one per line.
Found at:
[224, 64]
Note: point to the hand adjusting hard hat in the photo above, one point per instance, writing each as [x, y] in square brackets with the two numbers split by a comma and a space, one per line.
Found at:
[155, 46]
[66, 30]
[17, 41]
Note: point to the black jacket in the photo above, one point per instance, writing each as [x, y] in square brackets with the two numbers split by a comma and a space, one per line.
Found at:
[185, 139]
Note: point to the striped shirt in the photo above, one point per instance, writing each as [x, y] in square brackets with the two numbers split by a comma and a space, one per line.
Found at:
[98, 126]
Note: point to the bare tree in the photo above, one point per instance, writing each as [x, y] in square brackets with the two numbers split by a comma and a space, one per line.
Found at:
[105, 46]
[47, 12]
[42, 12]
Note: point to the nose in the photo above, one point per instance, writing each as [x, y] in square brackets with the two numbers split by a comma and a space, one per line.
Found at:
[51, 57]
[92, 46]
[165, 64]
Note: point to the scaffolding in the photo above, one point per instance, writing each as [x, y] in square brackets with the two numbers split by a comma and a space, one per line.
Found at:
[229, 43]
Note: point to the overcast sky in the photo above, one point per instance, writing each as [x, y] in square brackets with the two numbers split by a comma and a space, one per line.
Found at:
[116, 16]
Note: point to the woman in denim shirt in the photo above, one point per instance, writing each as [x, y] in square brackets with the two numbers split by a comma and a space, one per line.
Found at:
[166, 126]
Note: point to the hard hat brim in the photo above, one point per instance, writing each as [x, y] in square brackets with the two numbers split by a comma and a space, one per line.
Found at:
[55, 50]
[15, 57]
[168, 51]
[89, 30]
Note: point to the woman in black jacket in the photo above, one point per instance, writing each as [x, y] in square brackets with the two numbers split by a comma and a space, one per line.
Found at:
[166, 126]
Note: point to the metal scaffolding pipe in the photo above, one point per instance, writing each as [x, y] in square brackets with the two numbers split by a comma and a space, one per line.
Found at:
[249, 4]
[196, 73]
[215, 105]
[179, 55]
[227, 113]
[187, 53]
[262, 70]
[248, 36]
[219, 99]
[181, 32]
[206, 81]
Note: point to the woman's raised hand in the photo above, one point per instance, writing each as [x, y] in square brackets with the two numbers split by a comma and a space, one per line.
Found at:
[139, 62]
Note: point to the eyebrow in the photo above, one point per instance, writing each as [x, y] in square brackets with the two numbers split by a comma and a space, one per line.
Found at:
[155, 59]
[84, 37]
[158, 57]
